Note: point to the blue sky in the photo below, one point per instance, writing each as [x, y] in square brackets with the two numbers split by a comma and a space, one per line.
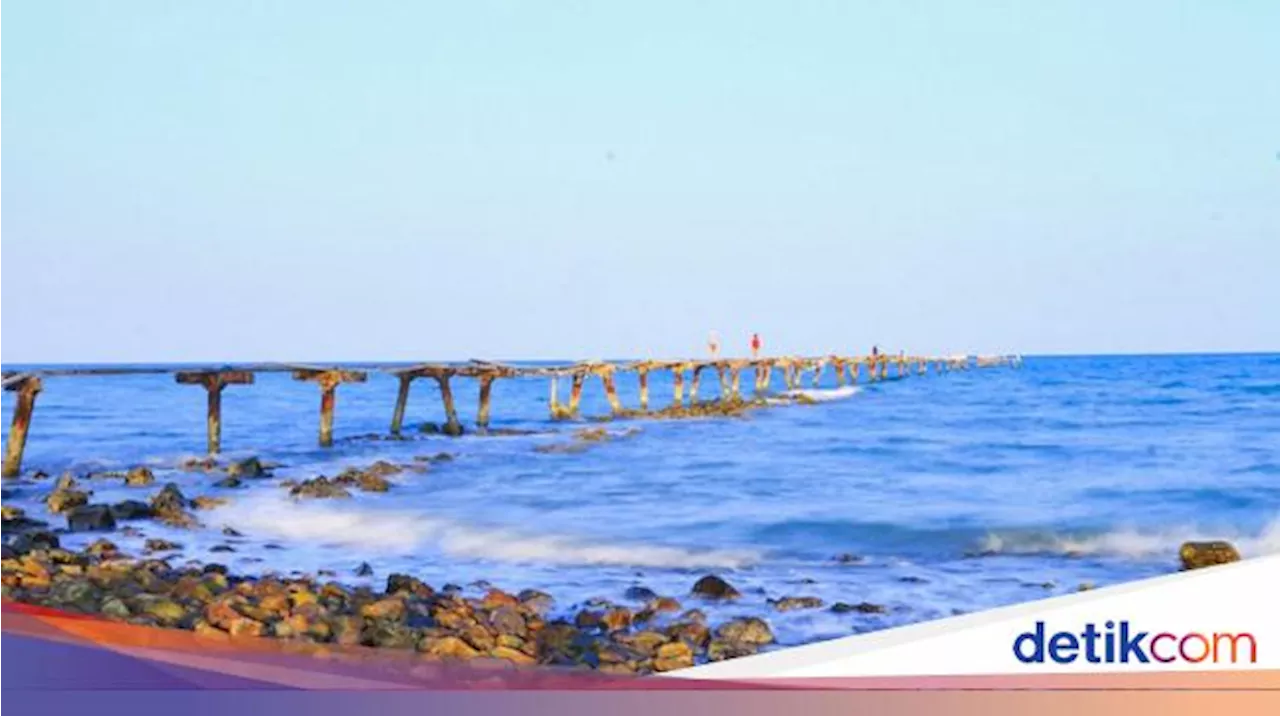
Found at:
[327, 181]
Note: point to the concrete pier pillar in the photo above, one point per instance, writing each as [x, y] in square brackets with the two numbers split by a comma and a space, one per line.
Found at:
[402, 400]
[27, 387]
[735, 382]
[486, 390]
[213, 382]
[611, 390]
[452, 426]
[642, 374]
[575, 393]
[328, 380]
[677, 379]
[693, 385]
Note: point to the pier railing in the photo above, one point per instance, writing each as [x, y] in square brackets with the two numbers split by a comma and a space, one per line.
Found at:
[26, 385]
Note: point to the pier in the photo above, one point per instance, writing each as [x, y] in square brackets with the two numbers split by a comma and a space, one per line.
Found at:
[847, 369]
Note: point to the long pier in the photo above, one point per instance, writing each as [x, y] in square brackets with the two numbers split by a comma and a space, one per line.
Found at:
[729, 371]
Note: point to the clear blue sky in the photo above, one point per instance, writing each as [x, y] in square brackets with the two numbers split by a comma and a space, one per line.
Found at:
[325, 181]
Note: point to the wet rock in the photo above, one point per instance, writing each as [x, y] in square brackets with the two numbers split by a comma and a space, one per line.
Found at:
[713, 587]
[513, 655]
[640, 594]
[130, 510]
[87, 518]
[535, 600]
[248, 468]
[231, 532]
[694, 633]
[508, 620]
[165, 611]
[15, 520]
[848, 558]
[746, 630]
[673, 655]
[198, 464]
[222, 548]
[720, 650]
[390, 608]
[319, 487]
[34, 539]
[786, 604]
[102, 548]
[169, 505]
[155, 544]
[1197, 555]
[452, 429]
[228, 482]
[616, 619]
[207, 502]
[115, 608]
[140, 476]
[65, 497]
[405, 584]
[860, 607]
[364, 570]
[448, 647]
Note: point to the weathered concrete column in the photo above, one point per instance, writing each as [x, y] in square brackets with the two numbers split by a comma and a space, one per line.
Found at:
[610, 389]
[817, 373]
[884, 368]
[724, 383]
[735, 382]
[854, 367]
[693, 385]
[558, 411]
[486, 388]
[839, 367]
[575, 393]
[642, 374]
[27, 387]
[920, 367]
[402, 400]
[677, 378]
[452, 426]
[328, 380]
[214, 381]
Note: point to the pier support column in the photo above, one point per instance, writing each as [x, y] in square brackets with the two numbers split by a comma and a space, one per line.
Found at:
[724, 384]
[677, 378]
[558, 411]
[328, 380]
[854, 368]
[611, 391]
[575, 393]
[402, 400]
[693, 385]
[642, 374]
[735, 382]
[26, 387]
[884, 369]
[817, 374]
[839, 367]
[486, 389]
[214, 381]
[452, 426]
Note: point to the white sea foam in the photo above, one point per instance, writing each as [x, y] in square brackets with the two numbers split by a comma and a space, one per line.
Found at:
[345, 524]
[823, 395]
[1131, 543]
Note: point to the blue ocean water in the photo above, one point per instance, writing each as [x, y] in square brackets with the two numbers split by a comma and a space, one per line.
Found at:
[955, 492]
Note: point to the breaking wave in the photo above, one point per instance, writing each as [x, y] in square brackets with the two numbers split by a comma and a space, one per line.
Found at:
[824, 395]
[1132, 543]
[401, 532]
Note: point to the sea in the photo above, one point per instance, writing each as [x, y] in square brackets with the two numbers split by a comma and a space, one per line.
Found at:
[925, 497]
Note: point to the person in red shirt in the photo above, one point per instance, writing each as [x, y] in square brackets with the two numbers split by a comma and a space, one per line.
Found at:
[755, 345]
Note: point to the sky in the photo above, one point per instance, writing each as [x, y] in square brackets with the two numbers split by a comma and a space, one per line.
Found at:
[313, 181]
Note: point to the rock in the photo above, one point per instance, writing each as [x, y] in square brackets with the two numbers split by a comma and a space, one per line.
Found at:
[535, 600]
[1197, 555]
[644, 642]
[508, 620]
[448, 647]
[848, 558]
[719, 650]
[64, 500]
[713, 587]
[364, 570]
[319, 487]
[673, 655]
[207, 502]
[249, 467]
[640, 594]
[166, 611]
[15, 520]
[512, 655]
[616, 619]
[35, 539]
[139, 477]
[388, 635]
[88, 518]
[405, 584]
[102, 548]
[198, 464]
[231, 532]
[228, 482]
[169, 505]
[663, 604]
[860, 607]
[114, 608]
[130, 510]
[390, 608]
[746, 630]
[786, 604]
[222, 548]
[694, 633]
[452, 429]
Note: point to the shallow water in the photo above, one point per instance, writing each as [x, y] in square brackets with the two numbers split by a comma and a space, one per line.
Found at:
[958, 492]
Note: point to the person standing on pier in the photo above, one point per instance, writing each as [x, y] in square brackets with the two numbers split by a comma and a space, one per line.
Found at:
[713, 345]
[755, 345]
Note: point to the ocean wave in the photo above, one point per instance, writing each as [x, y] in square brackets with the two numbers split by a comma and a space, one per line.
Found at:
[348, 525]
[822, 395]
[1130, 543]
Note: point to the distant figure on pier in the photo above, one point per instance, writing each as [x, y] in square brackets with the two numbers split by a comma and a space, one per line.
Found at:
[755, 345]
[875, 350]
[713, 345]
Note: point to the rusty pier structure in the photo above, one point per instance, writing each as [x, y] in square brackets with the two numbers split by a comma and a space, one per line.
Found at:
[796, 372]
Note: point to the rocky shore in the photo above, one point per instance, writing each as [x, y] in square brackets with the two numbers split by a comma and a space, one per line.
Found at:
[439, 623]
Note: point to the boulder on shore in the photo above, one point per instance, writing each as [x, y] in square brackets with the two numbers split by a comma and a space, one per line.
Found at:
[1195, 555]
